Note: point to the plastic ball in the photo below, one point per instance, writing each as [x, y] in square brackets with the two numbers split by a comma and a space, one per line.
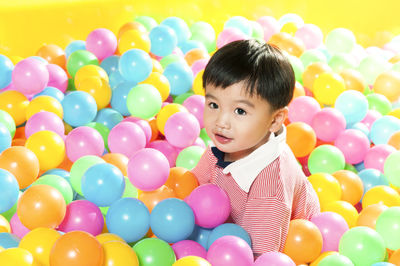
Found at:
[5, 137]
[377, 155]
[163, 40]
[182, 129]
[230, 250]
[312, 56]
[228, 229]
[371, 66]
[143, 101]
[340, 62]
[6, 69]
[391, 165]
[17, 227]
[133, 39]
[74, 46]
[345, 209]
[340, 40]
[387, 225]
[381, 194]
[383, 128]
[83, 141]
[59, 183]
[180, 77]
[387, 83]
[371, 178]
[194, 55]
[7, 120]
[195, 105]
[79, 167]
[135, 65]
[79, 108]
[312, 71]
[44, 103]
[328, 124]
[301, 138]
[311, 35]
[189, 157]
[160, 82]
[269, 25]
[4, 224]
[17, 256]
[182, 181]
[101, 42]
[353, 105]
[98, 88]
[154, 251]
[370, 118]
[9, 190]
[186, 248]
[326, 186]
[336, 260]
[229, 35]
[126, 138]
[191, 261]
[353, 144]
[303, 109]
[119, 253]
[119, 97]
[53, 54]
[166, 112]
[152, 198]
[327, 87]
[51, 91]
[78, 59]
[353, 80]
[108, 117]
[132, 25]
[379, 103]
[369, 215]
[326, 158]
[351, 186]
[204, 33]
[274, 258]
[179, 26]
[146, 21]
[89, 71]
[30, 76]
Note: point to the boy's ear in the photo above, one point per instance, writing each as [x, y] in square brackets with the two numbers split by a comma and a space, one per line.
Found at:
[278, 119]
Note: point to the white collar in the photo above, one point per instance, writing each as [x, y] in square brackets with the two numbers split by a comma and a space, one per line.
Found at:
[244, 171]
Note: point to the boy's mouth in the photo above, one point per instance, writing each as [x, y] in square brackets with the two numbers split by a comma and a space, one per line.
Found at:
[222, 139]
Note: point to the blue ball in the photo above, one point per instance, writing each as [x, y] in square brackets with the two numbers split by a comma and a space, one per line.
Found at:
[51, 91]
[6, 68]
[110, 64]
[240, 23]
[8, 240]
[172, 220]
[188, 45]
[179, 26]
[353, 105]
[180, 77]
[128, 218]
[79, 108]
[115, 79]
[103, 184]
[383, 128]
[5, 138]
[163, 40]
[74, 46]
[228, 229]
[371, 178]
[9, 190]
[108, 117]
[119, 96]
[135, 65]
[200, 235]
[361, 127]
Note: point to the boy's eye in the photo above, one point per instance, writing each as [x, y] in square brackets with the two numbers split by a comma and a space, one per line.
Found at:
[213, 105]
[240, 111]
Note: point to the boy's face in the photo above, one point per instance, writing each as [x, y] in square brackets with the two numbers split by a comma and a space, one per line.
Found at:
[237, 123]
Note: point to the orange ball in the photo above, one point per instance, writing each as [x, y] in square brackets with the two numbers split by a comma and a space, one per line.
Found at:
[370, 214]
[77, 248]
[195, 54]
[22, 163]
[301, 138]
[351, 185]
[182, 181]
[312, 71]
[133, 25]
[41, 206]
[151, 198]
[298, 90]
[18, 142]
[293, 46]
[53, 54]
[16, 104]
[119, 160]
[154, 129]
[388, 84]
[395, 257]
[277, 38]
[394, 140]
[303, 233]
[353, 80]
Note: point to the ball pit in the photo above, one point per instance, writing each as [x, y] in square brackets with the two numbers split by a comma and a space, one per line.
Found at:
[97, 141]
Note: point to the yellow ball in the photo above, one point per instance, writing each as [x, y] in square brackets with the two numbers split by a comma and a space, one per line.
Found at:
[327, 187]
[133, 39]
[106, 237]
[166, 112]
[119, 253]
[327, 87]
[39, 242]
[16, 104]
[198, 83]
[4, 225]
[89, 71]
[290, 28]
[48, 147]
[160, 82]
[395, 112]
[16, 256]
[191, 261]
[381, 194]
[44, 103]
[98, 88]
[345, 209]
[157, 67]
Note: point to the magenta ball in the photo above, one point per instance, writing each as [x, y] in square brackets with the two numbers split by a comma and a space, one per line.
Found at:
[303, 109]
[143, 124]
[199, 65]
[210, 204]
[185, 248]
[370, 118]
[376, 156]
[332, 226]
[328, 123]
[44, 121]
[83, 141]
[148, 169]
[30, 76]
[354, 145]
[311, 35]
[229, 35]
[102, 43]
[82, 215]
[270, 26]
[182, 129]
[17, 228]
[230, 250]
[169, 151]
[58, 78]
[195, 105]
[126, 138]
[274, 258]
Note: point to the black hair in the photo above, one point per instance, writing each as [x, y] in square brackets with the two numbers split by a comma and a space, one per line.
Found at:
[264, 69]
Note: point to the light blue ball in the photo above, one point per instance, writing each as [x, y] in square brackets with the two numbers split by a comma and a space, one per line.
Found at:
[5, 138]
[200, 235]
[163, 40]
[9, 190]
[108, 117]
[241, 23]
[115, 79]
[361, 127]
[383, 128]
[188, 45]
[6, 68]
[110, 64]
[52, 92]
[228, 229]
[371, 178]
[135, 65]
[79, 108]
[74, 46]
[119, 97]
[180, 77]
[179, 26]
[8, 240]
[353, 105]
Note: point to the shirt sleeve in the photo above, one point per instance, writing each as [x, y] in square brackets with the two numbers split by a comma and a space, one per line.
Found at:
[305, 201]
[202, 170]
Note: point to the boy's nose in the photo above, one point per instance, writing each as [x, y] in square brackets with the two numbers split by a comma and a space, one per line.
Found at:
[223, 121]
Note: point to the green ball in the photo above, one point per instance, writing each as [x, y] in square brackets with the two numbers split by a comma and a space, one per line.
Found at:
[350, 167]
[298, 67]
[71, 85]
[58, 183]
[340, 40]
[391, 168]
[144, 101]
[189, 157]
[103, 130]
[203, 135]
[205, 33]
[379, 103]
[154, 252]
[371, 66]
[171, 58]
[388, 226]
[335, 260]
[339, 62]
[182, 97]
[312, 56]
[8, 122]
[326, 159]
[148, 22]
[396, 67]
[79, 59]
[362, 245]
[258, 31]
[79, 167]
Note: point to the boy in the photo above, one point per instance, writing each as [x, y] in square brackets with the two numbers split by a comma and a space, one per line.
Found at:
[248, 86]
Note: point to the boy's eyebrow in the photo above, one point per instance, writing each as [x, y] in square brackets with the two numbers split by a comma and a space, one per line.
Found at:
[208, 95]
[246, 102]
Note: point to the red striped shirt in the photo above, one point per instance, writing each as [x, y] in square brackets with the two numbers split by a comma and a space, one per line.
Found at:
[280, 193]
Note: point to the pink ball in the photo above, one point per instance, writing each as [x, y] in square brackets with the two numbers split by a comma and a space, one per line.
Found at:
[83, 141]
[82, 215]
[182, 129]
[354, 145]
[210, 204]
[270, 26]
[376, 156]
[274, 258]
[169, 151]
[230, 250]
[370, 118]
[17, 228]
[332, 226]
[311, 35]
[229, 35]
[195, 105]
[328, 123]
[44, 121]
[199, 65]
[143, 124]
[148, 169]
[30, 76]
[57, 77]
[126, 138]
[303, 109]
[189, 248]
[102, 43]
[200, 142]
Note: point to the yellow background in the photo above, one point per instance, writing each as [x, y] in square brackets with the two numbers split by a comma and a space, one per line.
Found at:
[25, 25]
